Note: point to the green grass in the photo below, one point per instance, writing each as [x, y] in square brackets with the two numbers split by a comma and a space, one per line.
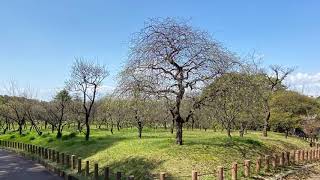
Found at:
[156, 152]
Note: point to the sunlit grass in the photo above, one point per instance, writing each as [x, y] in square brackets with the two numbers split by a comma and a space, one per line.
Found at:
[156, 152]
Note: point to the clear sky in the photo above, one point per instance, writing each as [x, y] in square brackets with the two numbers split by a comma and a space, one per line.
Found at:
[40, 38]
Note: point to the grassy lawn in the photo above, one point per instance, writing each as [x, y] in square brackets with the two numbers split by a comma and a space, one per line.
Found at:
[156, 151]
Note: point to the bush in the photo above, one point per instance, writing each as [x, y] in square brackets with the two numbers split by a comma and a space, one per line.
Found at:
[69, 136]
[32, 138]
[12, 136]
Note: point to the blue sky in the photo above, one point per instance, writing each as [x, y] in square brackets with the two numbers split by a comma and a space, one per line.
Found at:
[40, 38]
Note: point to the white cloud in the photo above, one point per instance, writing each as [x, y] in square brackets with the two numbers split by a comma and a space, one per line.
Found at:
[305, 83]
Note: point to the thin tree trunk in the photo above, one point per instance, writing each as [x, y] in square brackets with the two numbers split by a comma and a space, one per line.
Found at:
[87, 128]
[59, 133]
[172, 127]
[287, 133]
[140, 129]
[266, 124]
[241, 130]
[179, 125]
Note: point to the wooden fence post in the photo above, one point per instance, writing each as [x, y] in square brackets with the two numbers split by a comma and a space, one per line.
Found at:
[247, 168]
[96, 171]
[87, 169]
[281, 159]
[220, 174]
[49, 154]
[79, 165]
[68, 160]
[118, 177]
[274, 160]
[73, 162]
[58, 157]
[106, 173]
[234, 171]
[310, 155]
[54, 153]
[162, 176]
[258, 165]
[296, 159]
[62, 158]
[287, 160]
[267, 162]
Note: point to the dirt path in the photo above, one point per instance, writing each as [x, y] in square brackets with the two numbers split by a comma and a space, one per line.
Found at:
[312, 173]
[15, 167]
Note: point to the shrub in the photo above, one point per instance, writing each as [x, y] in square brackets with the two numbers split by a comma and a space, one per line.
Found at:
[12, 136]
[32, 138]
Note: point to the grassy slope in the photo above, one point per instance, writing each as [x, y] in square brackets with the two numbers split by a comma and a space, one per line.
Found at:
[156, 151]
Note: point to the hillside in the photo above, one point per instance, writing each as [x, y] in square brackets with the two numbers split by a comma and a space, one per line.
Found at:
[156, 151]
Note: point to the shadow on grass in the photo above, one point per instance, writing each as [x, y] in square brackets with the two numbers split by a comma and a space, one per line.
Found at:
[244, 146]
[140, 167]
[285, 143]
[248, 147]
[80, 147]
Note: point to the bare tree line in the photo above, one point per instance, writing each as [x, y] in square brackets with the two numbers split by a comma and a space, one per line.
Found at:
[176, 76]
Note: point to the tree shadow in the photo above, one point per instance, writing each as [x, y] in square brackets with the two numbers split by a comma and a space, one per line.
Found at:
[248, 147]
[140, 167]
[82, 148]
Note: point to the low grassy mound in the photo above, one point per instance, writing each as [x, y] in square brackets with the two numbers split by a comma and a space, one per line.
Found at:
[156, 151]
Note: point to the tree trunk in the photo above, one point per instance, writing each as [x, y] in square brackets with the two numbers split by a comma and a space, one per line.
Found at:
[229, 131]
[266, 124]
[20, 128]
[179, 125]
[6, 128]
[287, 133]
[87, 128]
[172, 127]
[118, 126]
[192, 124]
[140, 129]
[79, 126]
[241, 130]
[59, 133]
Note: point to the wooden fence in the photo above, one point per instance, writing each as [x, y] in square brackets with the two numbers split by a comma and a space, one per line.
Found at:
[248, 168]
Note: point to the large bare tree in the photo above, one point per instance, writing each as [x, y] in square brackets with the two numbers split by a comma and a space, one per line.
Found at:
[271, 83]
[86, 79]
[171, 57]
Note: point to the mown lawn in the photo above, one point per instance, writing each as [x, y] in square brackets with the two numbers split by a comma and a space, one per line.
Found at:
[156, 151]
